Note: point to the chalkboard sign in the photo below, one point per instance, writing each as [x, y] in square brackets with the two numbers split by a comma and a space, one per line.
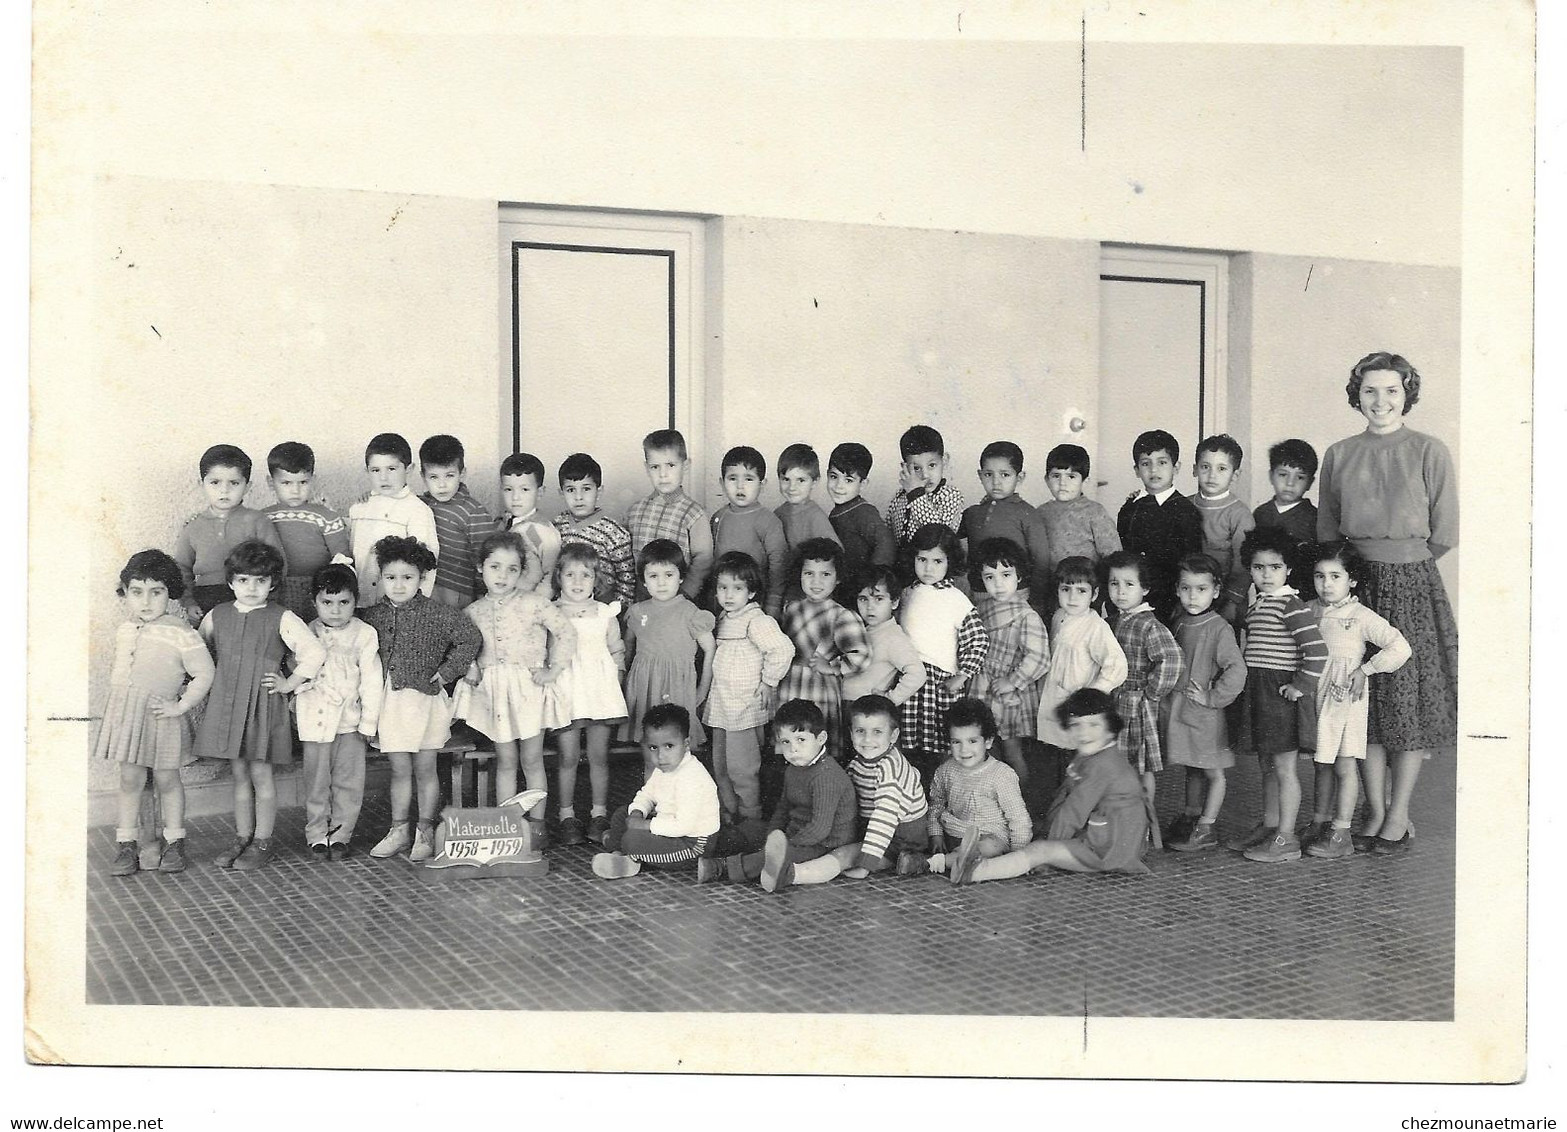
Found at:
[489, 841]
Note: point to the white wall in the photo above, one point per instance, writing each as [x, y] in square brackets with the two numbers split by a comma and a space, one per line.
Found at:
[828, 333]
[1323, 150]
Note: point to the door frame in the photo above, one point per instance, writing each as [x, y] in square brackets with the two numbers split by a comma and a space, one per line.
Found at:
[1209, 272]
[678, 238]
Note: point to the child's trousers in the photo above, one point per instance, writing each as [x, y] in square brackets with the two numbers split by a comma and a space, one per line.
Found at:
[651, 848]
[737, 767]
[334, 788]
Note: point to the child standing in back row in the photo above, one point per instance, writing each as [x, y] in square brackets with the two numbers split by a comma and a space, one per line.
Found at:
[669, 513]
[581, 480]
[1292, 468]
[461, 521]
[1225, 519]
[924, 494]
[1003, 514]
[312, 534]
[204, 543]
[866, 539]
[391, 510]
[522, 482]
[744, 526]
[803, 518]
[1159, 522]
[1077, 526]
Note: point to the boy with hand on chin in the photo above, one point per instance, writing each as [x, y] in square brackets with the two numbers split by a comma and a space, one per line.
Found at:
[1159, 522]
[815, 812]
[924, 495]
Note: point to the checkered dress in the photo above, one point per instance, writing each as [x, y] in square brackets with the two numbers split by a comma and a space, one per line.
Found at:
[1154, 669]
[1018, 658]
[826, 629]
[752, 652]
[924, 723]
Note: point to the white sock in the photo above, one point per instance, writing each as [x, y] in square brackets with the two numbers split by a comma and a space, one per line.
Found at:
[938, 862]
[127, 834]
[599, 812]
[173, 834]
[567, 812]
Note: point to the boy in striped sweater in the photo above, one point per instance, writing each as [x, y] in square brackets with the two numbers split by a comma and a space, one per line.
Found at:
[1285, 657]
[461, 521]
[973, 793]
[891, 803]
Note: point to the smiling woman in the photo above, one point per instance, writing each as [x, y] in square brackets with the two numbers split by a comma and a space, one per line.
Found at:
[1392, 492]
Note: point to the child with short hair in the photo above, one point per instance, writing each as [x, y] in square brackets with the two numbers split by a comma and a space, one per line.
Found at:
[391, 510]
[1196, 734]
[162, 670]
[1225, 519]
[1100, 819]
[664, 636]
[866, 539]
[1154, 664]
[1084, 653]
[506, 694]
[1019, 653]
[587, 694]
[246, 719]
[1292, 468]
[425, 646]
[814, 814]
[581, 480]
[829, 641]
[461, 521]
[1004, 514]
[1159, 522]
[924, 495]
[668, 823]
[1077, 526]
[1343, 705]
[950, 636]
[522, 482]
[891, 804]
[974, 796]
[803, 518]
[667, 512]
[896, 670]
[1285, 657]
[752, 656]
[336, 714]
[311, 533]
[744, 526]
[208, 537]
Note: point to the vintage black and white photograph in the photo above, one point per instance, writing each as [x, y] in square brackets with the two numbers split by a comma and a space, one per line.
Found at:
[609, 530]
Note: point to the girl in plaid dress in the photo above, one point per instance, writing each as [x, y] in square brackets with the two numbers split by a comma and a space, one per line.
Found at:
[752, 656]
[1019, 653]
[950, 637]
[829, 641]
[1154, 664]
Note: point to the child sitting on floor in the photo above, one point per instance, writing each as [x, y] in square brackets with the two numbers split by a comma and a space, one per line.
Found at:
[891, 803]
[974, 793]
[815, 812]
[1100, 819]
[669, 821]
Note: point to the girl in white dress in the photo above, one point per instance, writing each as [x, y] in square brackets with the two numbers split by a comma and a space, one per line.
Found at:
[1083, 654]
[587, 699]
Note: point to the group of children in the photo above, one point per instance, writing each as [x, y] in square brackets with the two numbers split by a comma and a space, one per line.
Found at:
[682, 630]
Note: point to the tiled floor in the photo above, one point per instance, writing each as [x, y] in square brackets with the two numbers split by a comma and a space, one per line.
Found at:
[1211, 936]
